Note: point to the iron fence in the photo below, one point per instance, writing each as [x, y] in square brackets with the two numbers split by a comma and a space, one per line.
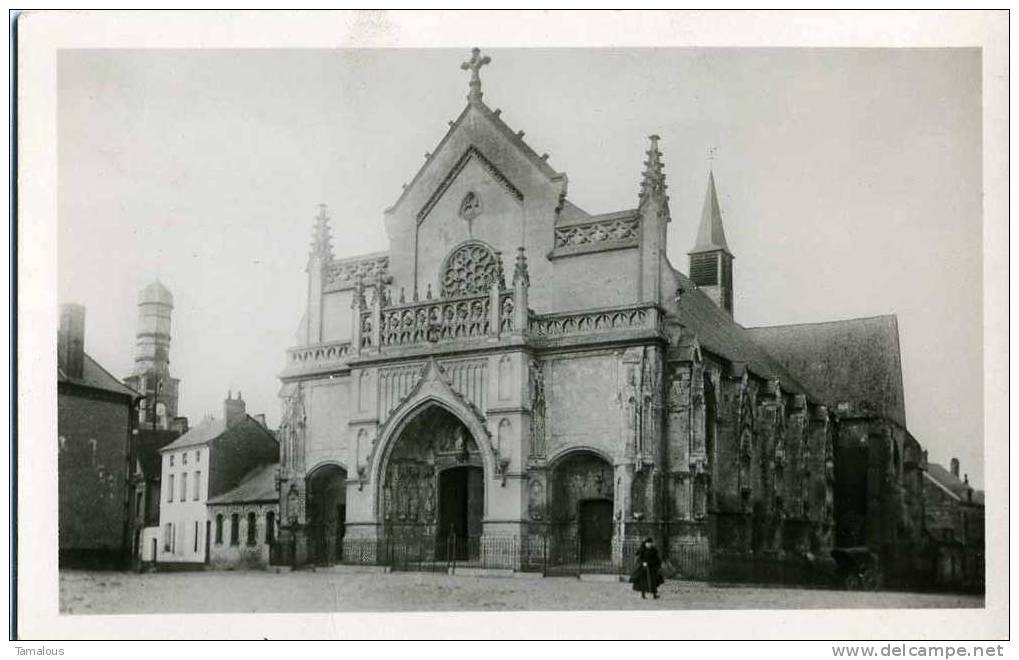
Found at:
[545, 554]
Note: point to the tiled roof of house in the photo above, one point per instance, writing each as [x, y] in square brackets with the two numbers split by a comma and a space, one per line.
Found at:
[145, 447]
[855, 361]
[208, 429]
[258, 485]
[94, 376]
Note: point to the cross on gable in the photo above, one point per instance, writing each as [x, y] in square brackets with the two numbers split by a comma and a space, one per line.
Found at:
[474, 66]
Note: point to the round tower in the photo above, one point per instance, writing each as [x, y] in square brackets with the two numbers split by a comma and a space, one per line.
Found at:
[152, 349]
[151, 375]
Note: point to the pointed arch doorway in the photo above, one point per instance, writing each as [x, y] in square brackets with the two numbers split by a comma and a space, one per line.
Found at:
[433, 496]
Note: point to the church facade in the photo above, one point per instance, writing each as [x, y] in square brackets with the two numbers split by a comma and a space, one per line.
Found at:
[517, 372]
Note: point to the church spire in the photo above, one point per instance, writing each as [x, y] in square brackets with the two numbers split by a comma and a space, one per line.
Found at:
[321, 240]
[653, 180]
[474, 66]
[711, 234]
[710, 259]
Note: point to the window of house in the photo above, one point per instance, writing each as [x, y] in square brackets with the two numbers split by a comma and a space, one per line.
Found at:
[234, 529]
[196, 536]
[171, 460]
[198, 481]
[167, 536]
[270, 526]
[252, 525]
[170, 490]
[183, 486]
[198, 455]
[219, 529]
[184, 458]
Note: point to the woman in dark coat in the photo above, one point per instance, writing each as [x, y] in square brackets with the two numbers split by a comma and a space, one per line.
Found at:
[647, 575]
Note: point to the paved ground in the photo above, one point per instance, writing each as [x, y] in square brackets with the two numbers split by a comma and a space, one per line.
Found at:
[304, 591]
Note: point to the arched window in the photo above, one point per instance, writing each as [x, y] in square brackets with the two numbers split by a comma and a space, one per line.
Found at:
[235, 524]
[219, 529]
[252, 525]
[270, 526]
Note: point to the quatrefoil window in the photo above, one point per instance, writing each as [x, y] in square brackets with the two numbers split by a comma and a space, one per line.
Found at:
[470, 207]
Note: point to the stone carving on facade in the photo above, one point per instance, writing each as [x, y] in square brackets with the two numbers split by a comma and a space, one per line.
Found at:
[606, 231]
[347, 273]
[536, 383]
[536, 499]
[745, 450]
[520, 274]
[292, 427]
[430, 322]
[320, 354]
[470, 207]
[558, 325]
[470, 270]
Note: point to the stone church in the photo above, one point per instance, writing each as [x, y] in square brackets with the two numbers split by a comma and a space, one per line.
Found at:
[516, 372]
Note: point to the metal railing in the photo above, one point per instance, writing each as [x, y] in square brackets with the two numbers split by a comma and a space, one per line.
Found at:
[546, 554]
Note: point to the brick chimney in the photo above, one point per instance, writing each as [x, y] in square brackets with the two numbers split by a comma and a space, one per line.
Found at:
[955, 467]
[71, 340]
[233, 409]
[260, 418]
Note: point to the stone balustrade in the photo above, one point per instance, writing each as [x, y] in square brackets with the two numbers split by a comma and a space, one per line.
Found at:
[317, 357]
[593, 322]
[492, 316]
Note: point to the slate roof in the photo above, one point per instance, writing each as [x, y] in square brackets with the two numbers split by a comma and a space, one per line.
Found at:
[94, 376]
[947, 480]
[718, 333]
[145, 448]
[258, 485]
[855, 361]
[208, 429]
[711, 233]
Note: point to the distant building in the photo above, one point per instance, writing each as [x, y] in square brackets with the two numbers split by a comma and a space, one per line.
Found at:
[95, 413]
[158, 422]
[245, 520]
[954, 519]
[151, 375]
[209, 460]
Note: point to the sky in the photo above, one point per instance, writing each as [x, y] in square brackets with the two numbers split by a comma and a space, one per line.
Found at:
[849, 182]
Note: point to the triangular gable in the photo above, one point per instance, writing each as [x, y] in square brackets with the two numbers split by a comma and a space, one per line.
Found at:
[471, 153]
[494, 120]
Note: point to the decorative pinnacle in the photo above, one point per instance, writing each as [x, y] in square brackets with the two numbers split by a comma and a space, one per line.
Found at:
[474, 66]
[520, 274]
[321, 240]
[653, 179]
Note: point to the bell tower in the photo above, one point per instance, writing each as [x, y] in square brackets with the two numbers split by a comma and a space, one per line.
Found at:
[151, 374]
[710, 259]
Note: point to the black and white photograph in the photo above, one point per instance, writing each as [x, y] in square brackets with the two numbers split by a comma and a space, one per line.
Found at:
[471, 326]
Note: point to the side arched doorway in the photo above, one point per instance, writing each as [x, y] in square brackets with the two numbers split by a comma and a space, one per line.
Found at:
[581, 508]
[433, 492]
[326, 511]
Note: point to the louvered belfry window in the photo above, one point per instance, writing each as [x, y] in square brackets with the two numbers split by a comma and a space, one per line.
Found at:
[704, 268]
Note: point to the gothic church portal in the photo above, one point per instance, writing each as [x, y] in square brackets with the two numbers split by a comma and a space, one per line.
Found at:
[517, 370]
